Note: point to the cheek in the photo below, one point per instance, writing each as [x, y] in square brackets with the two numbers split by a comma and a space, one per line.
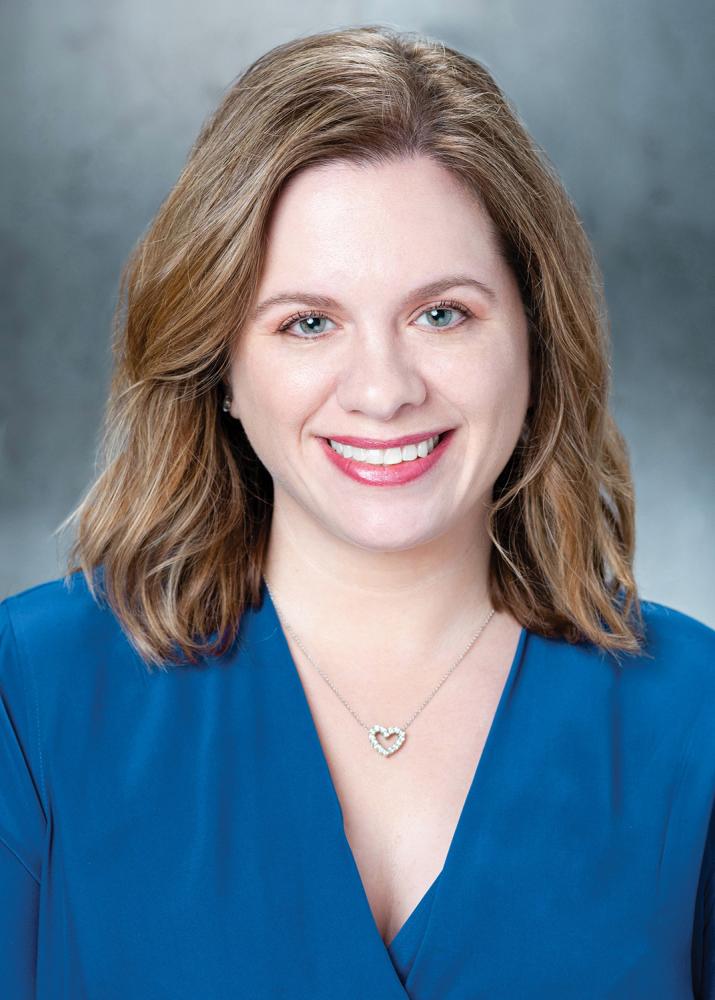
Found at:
[490, 386]
[272, 401]
[492, 395]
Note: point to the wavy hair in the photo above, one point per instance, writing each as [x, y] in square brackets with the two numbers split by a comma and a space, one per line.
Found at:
[178, 516]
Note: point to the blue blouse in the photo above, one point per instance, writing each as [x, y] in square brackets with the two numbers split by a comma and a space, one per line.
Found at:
[177, 835]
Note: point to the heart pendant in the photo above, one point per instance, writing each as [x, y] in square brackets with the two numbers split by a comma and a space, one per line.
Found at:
[393, 730]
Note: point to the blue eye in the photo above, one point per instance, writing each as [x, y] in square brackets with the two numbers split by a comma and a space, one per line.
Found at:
[304, 317]
[442, 308]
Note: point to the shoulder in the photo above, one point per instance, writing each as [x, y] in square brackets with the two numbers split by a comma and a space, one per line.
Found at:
[673, 676]
[62, 638]
[675, 632]
[58, 615]
[67, 652]
[677, 643]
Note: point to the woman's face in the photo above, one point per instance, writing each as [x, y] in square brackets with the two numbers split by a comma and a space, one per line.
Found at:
[352, 248]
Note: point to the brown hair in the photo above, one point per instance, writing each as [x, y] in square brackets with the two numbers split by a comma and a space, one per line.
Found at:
[178, 518]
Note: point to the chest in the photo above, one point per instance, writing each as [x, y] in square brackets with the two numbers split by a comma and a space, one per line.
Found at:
[400, 830]
[401, 812]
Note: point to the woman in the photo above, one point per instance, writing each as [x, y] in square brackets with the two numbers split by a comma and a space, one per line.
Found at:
[348, 690]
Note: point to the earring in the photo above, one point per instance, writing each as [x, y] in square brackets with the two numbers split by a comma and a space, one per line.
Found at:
[226, 406]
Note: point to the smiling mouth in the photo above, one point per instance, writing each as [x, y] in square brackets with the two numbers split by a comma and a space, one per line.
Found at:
[395, 455]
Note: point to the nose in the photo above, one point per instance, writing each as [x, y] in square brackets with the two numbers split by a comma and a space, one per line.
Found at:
[379, 375]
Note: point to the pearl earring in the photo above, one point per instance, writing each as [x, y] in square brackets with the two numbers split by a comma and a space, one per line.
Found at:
[226, 406]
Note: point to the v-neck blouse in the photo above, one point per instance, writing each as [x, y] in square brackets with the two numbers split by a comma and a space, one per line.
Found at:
[177, 834]
[404, 946]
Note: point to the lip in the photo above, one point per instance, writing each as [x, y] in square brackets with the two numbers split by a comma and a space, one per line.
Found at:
[400, 442]
[387, 475]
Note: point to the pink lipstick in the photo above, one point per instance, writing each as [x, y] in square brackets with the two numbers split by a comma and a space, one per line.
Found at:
[387, 475]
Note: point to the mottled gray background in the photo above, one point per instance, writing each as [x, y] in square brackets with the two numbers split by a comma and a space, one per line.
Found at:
[101, 101]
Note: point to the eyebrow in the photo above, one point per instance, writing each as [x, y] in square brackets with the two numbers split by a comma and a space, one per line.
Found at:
[424, 291]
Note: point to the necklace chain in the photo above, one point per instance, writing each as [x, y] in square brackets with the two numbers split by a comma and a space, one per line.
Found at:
[371, 729]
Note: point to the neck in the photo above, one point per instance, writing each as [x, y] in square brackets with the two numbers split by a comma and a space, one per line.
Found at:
[389, 610]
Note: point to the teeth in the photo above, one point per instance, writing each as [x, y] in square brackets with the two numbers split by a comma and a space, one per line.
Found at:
[386, 456]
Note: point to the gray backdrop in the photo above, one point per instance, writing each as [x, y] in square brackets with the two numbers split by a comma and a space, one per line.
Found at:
[101, 102]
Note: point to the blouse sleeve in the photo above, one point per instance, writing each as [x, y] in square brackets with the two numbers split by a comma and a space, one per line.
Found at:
[22, 822]
[703, 951]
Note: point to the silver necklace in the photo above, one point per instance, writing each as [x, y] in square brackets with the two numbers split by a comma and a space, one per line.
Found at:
[385, 731]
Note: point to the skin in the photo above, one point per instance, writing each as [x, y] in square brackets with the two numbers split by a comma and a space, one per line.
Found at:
[385, 586]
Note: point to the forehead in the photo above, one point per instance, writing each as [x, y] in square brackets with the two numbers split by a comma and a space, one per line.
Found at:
[343, 212]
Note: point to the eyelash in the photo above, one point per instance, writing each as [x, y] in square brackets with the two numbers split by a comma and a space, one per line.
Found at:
[312, 314]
